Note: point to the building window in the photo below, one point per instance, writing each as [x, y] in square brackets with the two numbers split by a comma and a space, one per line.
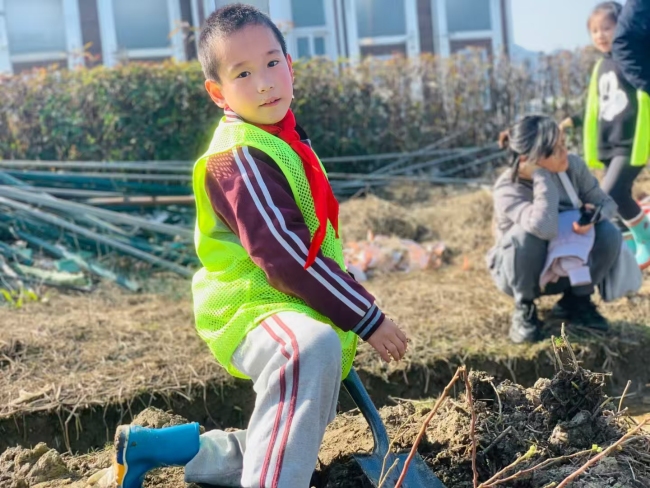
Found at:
[310, 46]
[308, 13]
[319, 46]
[149, 30]
[459, 19]
[141, 24]
[381, 18]
[311, 28]
[36, 27]
[303, 47]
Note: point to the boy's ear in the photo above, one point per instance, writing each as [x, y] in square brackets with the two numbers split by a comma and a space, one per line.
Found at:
[290, 63]
[214, 90]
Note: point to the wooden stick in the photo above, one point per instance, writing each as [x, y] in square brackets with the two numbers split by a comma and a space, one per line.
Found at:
[399, 178]
[142, 201]
[470, 401]
[423, 429]
[541, 465]
[74, 208]
[620, 403]
[498, 438]
[595, 459]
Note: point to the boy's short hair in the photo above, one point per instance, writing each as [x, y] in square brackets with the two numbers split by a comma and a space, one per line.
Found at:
[224, 22]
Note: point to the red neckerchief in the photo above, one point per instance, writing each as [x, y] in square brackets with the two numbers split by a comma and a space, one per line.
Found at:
[325, 204]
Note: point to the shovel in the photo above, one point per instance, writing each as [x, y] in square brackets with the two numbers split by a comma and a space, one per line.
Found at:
[419, 475]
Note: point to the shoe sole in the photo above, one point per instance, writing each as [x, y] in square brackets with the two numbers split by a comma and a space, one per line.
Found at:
[120, 466]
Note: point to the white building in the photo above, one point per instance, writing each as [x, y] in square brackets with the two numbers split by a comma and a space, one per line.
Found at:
[41, 32]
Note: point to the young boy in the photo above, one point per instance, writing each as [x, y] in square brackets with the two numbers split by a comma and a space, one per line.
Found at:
[273, 299]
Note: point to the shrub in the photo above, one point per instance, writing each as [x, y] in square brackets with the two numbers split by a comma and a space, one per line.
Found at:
[161, 111]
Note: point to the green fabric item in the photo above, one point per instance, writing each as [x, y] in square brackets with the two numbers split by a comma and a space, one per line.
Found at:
[231, 293]
[641, 147]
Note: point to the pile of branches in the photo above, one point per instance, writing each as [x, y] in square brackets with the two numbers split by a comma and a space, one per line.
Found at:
[69, 229]
[66, 223]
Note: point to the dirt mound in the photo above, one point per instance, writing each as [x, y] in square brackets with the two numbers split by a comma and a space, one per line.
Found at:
[543, 433]
[41, 466]
[155, 418]
[359, 216]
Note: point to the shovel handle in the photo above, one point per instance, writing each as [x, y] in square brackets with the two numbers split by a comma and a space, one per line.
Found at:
[355, 388]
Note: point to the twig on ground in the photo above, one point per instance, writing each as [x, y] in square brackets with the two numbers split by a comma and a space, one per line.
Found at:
[556, 355]
[384, 477]
[499, 400]
[603, 454]
[423, 429]
[620, 403]
[539, 466]
[495, 441]
[631, 469]
[530, 453]
[472, 431]
[568, 346]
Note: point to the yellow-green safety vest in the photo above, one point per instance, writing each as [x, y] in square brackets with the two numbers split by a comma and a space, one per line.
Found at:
[641, 146]
[231, 293]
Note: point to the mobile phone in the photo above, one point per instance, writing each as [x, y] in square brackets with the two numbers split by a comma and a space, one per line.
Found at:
[589, 215]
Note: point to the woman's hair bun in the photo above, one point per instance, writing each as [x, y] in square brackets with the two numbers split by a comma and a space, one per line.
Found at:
[504, 139]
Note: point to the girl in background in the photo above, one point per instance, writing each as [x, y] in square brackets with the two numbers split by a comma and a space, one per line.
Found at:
[616, 130]
[529, 199]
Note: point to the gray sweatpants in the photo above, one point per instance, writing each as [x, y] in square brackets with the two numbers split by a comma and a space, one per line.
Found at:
[295, 364]
[517, 262]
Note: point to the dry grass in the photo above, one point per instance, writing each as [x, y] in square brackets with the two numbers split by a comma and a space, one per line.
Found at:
[75, 351]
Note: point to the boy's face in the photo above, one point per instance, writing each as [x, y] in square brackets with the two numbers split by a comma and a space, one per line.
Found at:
[602, 29]
[256, 79]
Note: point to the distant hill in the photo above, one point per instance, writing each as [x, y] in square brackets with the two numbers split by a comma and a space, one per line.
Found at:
[522, 55]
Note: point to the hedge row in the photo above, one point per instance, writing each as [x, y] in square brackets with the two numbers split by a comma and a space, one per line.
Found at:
[161, 112]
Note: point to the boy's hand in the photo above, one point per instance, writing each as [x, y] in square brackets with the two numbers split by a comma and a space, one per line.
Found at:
[389, 341]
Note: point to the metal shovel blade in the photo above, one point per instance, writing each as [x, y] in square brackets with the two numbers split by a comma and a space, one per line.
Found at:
[419, 475]
[379, 462]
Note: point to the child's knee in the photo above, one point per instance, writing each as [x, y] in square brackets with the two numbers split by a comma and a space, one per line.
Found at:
[318, 344]
[608, 238]
[529, 242]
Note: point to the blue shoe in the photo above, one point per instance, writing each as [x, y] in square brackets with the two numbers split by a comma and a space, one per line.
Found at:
[640, 230]
[629, 241]
[138, 450]
[643, 255]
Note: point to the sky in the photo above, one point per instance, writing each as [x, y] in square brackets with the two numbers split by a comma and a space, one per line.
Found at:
[547, 25]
